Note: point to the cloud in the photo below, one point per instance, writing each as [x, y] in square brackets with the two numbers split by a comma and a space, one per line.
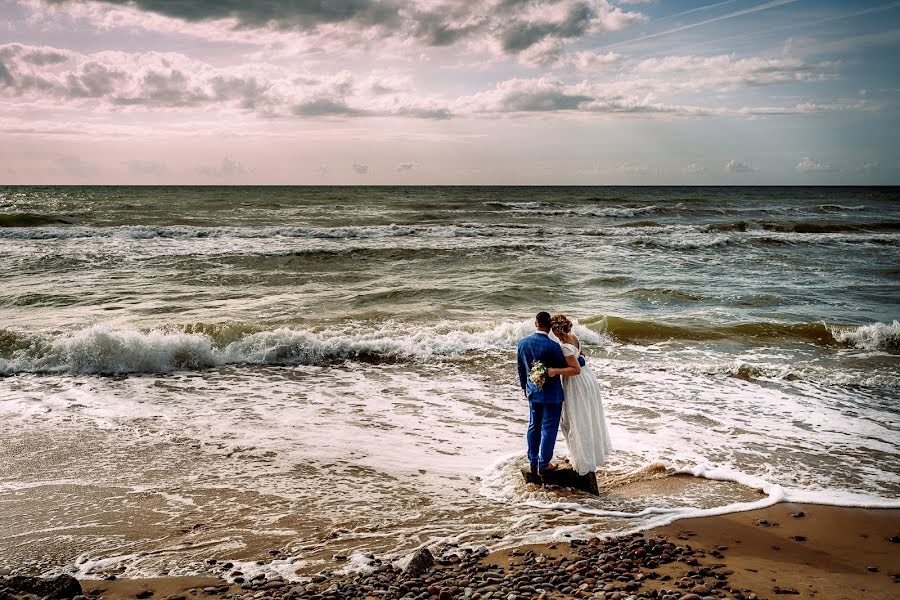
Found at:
[632, 169]
[167, 80]
[588, 60]
[810, 165]
[227, 168]
[642, 86]
[513, 25]
[360, 169]
[109, 81]
[736, 166]
[326, 107]
[534, 22]
[147, 167]
[285, 14]
[869, 168]
[694, 169]
[75, 166]
[725, 72]
[526, 95]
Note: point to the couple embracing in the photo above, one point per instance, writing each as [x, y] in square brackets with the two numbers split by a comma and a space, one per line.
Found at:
[562, 393]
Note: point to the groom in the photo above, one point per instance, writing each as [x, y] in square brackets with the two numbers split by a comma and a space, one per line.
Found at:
[545, 403]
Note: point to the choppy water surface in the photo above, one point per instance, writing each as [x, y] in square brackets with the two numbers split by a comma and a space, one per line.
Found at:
[195, 372]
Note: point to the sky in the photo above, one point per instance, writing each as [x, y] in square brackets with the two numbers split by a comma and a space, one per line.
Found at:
[530, 92]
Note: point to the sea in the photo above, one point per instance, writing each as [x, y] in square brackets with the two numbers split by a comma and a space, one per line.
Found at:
[298, 379]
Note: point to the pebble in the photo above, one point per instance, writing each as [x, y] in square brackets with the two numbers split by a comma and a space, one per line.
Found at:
[617, 569]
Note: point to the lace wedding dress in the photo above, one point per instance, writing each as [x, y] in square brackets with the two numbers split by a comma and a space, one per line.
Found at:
[583, 423]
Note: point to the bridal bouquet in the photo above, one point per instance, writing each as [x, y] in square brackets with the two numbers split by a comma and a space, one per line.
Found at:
[538, 375]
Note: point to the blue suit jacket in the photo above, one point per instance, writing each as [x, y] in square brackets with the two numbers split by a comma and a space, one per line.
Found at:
[538, 346]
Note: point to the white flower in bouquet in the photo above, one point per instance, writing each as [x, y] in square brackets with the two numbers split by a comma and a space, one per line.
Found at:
[538, 375]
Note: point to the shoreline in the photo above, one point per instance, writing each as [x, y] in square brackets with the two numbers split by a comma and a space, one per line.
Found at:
[784, 550]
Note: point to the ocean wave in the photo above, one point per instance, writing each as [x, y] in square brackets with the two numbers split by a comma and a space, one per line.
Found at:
[147, 232]
[611, 212]
[804, 226]
[682, 242]
[104, 349]
[29, 220]
[557, 210]
[883, 337]
[533, 205]
[662, 295]
[833, 208]
[751, 372]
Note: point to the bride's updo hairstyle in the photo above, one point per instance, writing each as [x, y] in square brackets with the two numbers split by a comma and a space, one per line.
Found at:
[560, 324]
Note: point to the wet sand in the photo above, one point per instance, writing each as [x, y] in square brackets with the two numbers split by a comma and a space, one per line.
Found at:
[787, 550]
[829, 552]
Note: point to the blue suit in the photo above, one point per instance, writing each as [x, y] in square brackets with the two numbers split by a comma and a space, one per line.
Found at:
[545, 404]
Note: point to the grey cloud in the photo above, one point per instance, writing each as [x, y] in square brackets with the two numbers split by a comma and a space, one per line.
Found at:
[434, 30]
[285, 14]
[94, 80]
[227, 168]
[323, 107]
[425, 113]
[248, 91]
[811, 165]
[42, 58]
[441, 24]
[541, 100]
[632, 169]
[75, 166]
[168, 89]
[144, 167]
[172, 81]
[522, 35]
[736, 166]
[869, 168]
[6, 77]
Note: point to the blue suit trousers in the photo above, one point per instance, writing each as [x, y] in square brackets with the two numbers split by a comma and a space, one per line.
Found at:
[543, 424]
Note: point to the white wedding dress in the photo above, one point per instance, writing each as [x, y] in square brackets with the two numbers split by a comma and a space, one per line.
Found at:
[583, 423]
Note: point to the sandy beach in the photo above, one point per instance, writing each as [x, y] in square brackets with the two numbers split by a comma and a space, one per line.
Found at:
[789, 550]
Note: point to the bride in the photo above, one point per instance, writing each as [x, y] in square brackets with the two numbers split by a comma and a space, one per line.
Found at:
[583, 423]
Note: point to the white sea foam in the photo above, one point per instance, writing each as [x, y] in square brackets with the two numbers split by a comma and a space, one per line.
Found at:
[106, 349]
[876, 336]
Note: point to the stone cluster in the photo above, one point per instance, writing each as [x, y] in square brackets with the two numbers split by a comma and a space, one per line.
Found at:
[619, 569]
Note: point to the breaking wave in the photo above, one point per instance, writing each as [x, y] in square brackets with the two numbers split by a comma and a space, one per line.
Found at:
[104, 349]
[884, 337]
[805, 226]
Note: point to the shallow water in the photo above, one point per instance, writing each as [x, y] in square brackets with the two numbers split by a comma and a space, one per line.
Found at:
[223, 372]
